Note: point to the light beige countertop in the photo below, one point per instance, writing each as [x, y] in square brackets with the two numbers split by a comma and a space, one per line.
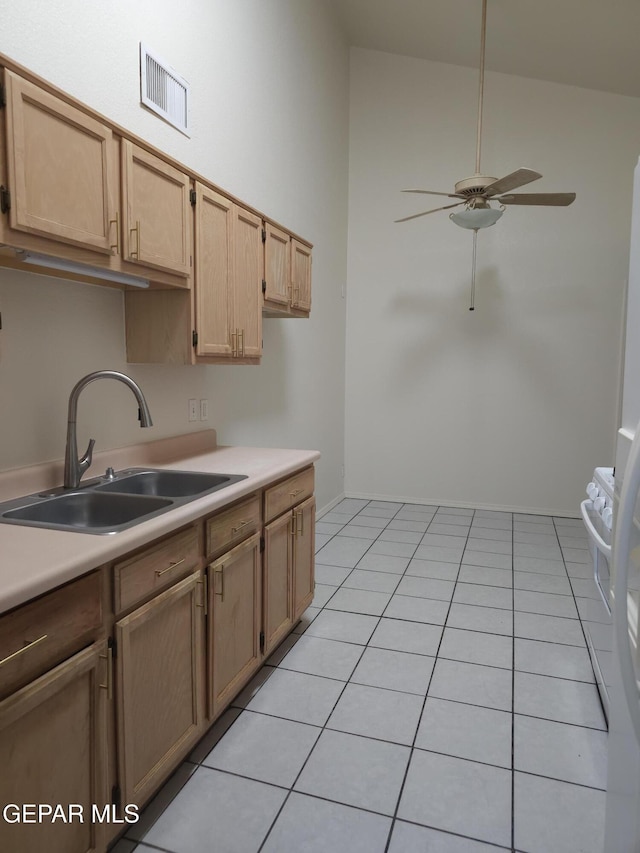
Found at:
[34, 560]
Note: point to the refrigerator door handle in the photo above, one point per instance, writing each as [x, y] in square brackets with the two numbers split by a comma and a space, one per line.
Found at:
[621, 557]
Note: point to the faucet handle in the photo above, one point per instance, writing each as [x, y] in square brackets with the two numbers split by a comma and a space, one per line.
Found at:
[85, 461]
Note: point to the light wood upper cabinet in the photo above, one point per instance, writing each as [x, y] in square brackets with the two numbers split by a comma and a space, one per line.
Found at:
[61, 169]
[220, 320]
[80, 190]
[247, 291]
[160, 686]
[234, 621]
[228, 300]
[53, 750]
[287, 274]
[214, 308]
[277, 266]
[156, 221]
[300, 276]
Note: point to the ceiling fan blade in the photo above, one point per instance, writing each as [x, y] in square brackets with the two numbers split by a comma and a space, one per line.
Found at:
[433, 192]
[424, 213]
[511, 182]
[551, 199]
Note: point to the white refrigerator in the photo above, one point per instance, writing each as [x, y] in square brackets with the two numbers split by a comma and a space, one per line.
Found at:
[622, 823]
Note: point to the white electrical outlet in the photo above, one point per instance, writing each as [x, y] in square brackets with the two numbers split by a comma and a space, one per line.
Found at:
[193, 410]
[204, 410]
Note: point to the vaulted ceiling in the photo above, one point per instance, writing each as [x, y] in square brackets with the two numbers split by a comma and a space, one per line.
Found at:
[588, 43]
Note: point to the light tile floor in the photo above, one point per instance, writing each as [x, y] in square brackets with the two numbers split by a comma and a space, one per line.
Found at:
[437, 696]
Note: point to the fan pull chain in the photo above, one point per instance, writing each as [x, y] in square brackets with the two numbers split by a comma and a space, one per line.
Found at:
[473, 271]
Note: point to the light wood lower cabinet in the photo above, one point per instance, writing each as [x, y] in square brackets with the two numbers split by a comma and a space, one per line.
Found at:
[277, 608]
[304, 516]
[234, 621]
[53, 750]
[288, 571]
[160, 686]
[110, 723]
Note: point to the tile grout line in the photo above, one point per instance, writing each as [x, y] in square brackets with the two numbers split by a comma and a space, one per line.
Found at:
[322, 729]
[413, 747]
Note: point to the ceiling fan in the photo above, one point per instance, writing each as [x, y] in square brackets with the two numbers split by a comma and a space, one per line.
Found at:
[478, 191]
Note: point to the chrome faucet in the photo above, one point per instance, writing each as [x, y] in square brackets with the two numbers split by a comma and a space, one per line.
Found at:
[74, 467]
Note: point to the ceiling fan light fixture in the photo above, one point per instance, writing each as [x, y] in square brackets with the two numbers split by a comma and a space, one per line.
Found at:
[474, 218]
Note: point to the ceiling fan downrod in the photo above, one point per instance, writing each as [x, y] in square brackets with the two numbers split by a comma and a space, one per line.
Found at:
[481, 83]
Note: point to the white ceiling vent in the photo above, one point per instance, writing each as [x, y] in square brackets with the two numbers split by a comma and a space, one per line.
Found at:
[162, 90]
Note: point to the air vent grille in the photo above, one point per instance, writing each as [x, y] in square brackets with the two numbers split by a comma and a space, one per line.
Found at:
[162, 90]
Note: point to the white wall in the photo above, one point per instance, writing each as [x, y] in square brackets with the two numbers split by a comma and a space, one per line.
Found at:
[515, 404]
[269, 119]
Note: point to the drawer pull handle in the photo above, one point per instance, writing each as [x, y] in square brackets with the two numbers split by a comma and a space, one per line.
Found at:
[241, 338]
[293, 530]
[219, 582]
[296, 493]
[234, 344]
[109, 685]
[24, 649]
[116, 222]
[205, 595]
[160, 572]
[300, 515]
[239, 527]
[135, 254]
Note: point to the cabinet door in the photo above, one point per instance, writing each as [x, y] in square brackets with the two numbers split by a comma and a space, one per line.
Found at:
[53, 750]
[248, 265]
[156, 212]
[62, 174]
[303, 556]
[160, 686]
[277, 266]
[234, 625]
[300, 276]
[214, 272]
[277, 615]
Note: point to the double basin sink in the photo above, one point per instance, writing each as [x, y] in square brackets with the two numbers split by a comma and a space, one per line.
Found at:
[114, 502]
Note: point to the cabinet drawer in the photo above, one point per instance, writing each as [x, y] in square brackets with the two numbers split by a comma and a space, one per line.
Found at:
[155, 568]
[44, 632]
[288, 493]
[227, 528]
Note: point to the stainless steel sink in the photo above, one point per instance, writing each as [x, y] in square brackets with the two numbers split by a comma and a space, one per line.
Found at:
[170, 484]
[114, 502]
[88, 510]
